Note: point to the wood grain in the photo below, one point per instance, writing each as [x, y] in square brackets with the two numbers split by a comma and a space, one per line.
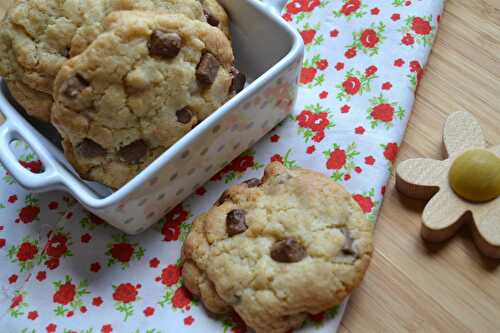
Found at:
[412, 286]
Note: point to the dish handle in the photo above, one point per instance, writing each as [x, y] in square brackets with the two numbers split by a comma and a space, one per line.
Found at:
[276, 5]
[45, 180]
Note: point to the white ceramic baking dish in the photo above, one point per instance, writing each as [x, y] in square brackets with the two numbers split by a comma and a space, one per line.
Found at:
[268, 50]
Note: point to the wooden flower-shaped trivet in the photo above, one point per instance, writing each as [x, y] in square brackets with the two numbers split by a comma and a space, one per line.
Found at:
[464, 188]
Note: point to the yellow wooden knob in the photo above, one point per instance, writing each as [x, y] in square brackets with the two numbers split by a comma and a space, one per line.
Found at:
[475, 175]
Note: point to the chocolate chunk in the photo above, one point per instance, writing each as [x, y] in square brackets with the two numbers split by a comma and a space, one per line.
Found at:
[211, 19]
[164, 44]
[253, 182]
[134, 151]
[207, 69]
[238, 82]
[90, 149]
[72, 87]
[347, 247]
[288, 251]
[223, 198]
[184, 115]
[236, 222]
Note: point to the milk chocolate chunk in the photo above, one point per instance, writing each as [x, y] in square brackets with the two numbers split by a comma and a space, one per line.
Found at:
[288, 251]
[164, 44]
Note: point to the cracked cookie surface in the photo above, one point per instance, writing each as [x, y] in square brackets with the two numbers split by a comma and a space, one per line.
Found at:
[277, 249]
[38, 36]
[137, 89]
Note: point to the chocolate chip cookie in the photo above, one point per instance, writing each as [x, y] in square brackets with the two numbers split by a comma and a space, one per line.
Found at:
[277, 249]
[216, 15]
[139, 87]
[38, 36]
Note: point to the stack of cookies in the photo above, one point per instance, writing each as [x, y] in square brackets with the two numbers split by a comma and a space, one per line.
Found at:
[121, 80]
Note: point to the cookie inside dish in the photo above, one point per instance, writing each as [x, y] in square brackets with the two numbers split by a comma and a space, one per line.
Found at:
[138, 88]
[38, 36]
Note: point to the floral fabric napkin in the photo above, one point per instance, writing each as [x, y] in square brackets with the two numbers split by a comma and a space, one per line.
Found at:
[64, 270]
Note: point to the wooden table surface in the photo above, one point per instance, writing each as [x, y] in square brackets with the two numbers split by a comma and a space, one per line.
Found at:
[411, 286]
[447, 288]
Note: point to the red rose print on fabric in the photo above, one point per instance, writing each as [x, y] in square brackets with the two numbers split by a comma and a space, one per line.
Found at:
[68, 296]
[277, 158]
[181, 298]
[33, 166]
[57, 247]
[310, 36]
[355, 83]
[32, 315]
[149, 311]
[30, 212]
[313, 122]
[40, 276]
[153, 263]
[368, 204]
[188, 321]
[52, 263]
[395, 17]
[234, 324]
[106, 328]
[300, 9]
[310, 75]
[421, 26]
[85, 238]
[418, 30]
[91, 221]
[26, 255]
[390, 151]
[170, 275]
[27, 159]
[408, 40]
[360, 130]
[350, 53]
[417, 74]
[365, 203]
[174, 226]
[369, 39]
[97, 301]
[95, 267]
[122, 251]
[382, 111]
[341, 161]
[51, 328]
[18, 304]
[386, 86]
[124, 295]
[237, 168]
[12, 199]
[12, 279]
[369, 160]
[175, 294]
[285, 160]
[351, 9]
